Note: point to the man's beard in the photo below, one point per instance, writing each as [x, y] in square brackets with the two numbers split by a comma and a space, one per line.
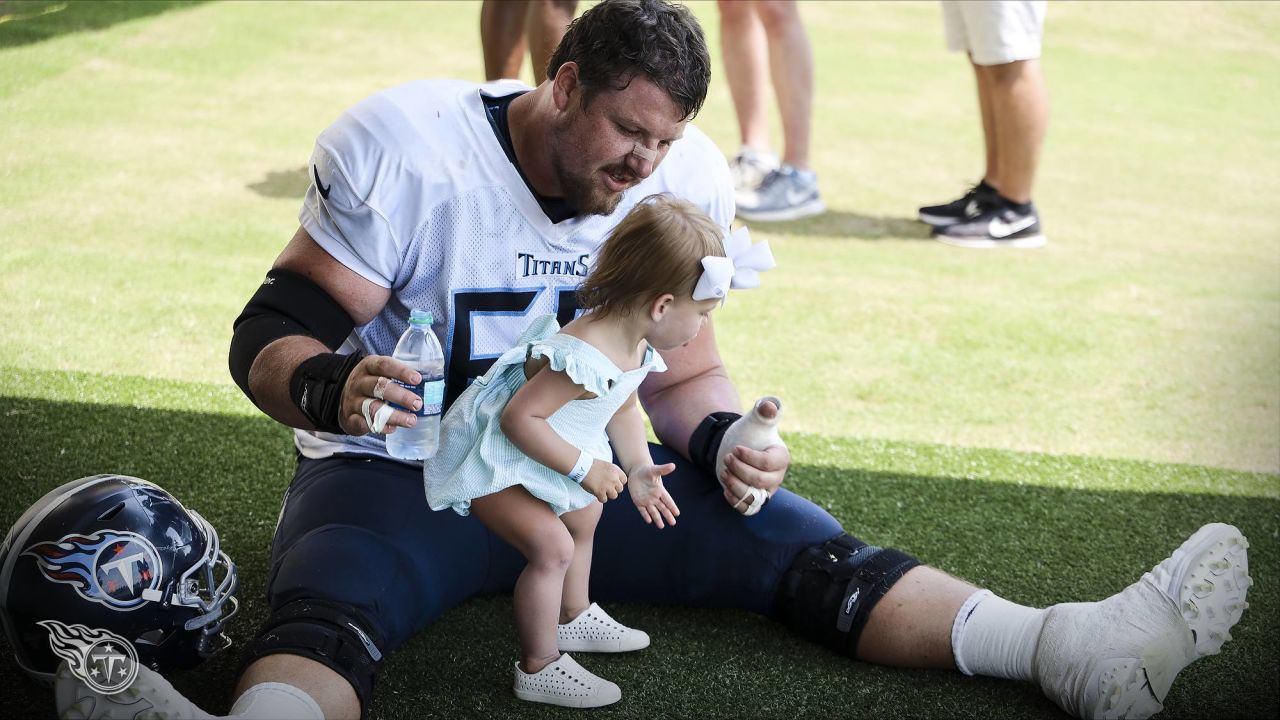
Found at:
[584, 195]
[583, 192]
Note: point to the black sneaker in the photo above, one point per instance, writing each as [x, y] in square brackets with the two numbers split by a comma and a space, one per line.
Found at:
[996, 226]
[972, 204]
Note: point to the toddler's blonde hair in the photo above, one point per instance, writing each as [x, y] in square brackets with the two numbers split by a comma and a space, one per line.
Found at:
[656, 249]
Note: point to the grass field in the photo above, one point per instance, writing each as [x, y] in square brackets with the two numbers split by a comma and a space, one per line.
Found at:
[1049, 423]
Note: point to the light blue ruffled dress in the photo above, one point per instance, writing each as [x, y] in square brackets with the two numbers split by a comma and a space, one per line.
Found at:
[475, 457]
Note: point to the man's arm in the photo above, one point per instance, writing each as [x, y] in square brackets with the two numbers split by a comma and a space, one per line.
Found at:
[274, 366]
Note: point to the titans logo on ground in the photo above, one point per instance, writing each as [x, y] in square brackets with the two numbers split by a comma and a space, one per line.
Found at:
[104, 660]
[110, 567]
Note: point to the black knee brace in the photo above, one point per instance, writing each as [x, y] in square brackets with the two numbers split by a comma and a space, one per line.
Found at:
[328, 633]
[829, 591]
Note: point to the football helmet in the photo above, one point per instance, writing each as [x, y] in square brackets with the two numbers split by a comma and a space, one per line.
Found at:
[117, 553]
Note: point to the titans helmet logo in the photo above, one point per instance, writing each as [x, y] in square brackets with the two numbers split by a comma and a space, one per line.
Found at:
[114, 568]
[104, 660]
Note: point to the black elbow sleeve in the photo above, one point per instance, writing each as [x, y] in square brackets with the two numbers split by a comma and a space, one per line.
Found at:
[287, 303]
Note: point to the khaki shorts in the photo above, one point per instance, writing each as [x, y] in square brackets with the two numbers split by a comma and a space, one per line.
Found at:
[994, 32]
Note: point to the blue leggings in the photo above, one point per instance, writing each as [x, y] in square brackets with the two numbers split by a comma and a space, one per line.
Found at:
[357, 531]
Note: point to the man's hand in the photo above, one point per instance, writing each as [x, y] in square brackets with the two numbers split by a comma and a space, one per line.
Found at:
[745, 468]
[604, 480]
[372, 382]
[651, 498]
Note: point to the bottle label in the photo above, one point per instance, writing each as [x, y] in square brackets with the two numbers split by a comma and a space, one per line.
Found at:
[431, 390]
[433, 397]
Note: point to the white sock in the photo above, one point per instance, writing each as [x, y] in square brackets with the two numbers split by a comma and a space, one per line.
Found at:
[992, 636]
[276, 701]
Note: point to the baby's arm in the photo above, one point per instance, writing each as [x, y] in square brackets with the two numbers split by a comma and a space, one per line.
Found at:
[524, 422]
[626, 433]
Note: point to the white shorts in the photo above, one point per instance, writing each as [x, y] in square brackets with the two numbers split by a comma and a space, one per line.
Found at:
[994, 32]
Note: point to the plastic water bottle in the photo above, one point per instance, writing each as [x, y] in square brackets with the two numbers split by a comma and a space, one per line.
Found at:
[419, 349]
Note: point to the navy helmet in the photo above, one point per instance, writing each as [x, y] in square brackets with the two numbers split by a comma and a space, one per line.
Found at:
[115, 553]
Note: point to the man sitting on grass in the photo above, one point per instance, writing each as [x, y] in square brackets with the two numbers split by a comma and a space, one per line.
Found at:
[484, 204]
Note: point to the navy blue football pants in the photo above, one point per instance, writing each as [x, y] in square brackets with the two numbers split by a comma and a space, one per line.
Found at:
[358, 531]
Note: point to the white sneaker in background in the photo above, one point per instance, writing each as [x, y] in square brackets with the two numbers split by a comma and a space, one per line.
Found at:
[749, 167]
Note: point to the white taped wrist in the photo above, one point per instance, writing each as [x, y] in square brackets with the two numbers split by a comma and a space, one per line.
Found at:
[581, 468]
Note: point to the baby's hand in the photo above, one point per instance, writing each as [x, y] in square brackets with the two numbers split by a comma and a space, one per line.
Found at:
[651, 498]
[604, 480]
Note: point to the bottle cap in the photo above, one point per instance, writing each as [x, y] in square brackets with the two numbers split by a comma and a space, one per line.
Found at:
[420, 317]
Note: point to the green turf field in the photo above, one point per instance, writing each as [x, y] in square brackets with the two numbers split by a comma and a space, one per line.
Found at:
[1050, 423]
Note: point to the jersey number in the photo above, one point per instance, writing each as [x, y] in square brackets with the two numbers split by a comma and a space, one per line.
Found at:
[463, 367]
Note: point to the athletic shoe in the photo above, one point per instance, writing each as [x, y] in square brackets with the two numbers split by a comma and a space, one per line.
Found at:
[595, 631]
[566, 683]
[1118, 657]
[784, 194]
[148, 697]
[749, 167]
[997, 225]
[969, 205]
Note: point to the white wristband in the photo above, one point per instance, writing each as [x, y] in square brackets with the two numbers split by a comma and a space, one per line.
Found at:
[581, 468]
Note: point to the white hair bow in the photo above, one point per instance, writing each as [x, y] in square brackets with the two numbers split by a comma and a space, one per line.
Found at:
[741, 269]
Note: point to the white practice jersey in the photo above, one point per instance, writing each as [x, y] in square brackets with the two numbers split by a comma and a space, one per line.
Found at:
[412, 190]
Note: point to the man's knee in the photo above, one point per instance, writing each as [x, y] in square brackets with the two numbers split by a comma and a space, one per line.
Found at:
[828, 593]
[328, 633]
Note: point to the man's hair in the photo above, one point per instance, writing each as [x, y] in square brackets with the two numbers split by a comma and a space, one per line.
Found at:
[617, 40]
[656, 249]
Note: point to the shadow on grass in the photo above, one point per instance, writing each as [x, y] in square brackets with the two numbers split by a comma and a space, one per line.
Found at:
[844, 224]
[23, 22]
[283, 184]
[1034, 544]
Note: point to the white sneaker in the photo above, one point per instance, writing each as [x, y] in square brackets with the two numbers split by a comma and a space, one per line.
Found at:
[566, 683]
[595, 631]
[1118, 658]
[749, 167]
[149, 697]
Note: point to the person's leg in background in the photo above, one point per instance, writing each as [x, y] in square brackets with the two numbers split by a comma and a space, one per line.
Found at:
[791, 70]
[991, 167]
[745, 51]
[544, 27]
[502, 38]
[789, 192]
[1020, 112]
[1004, 45]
